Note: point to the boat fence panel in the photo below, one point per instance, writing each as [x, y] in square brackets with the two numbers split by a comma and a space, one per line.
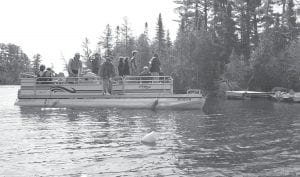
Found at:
[32, 85]
[148, 84]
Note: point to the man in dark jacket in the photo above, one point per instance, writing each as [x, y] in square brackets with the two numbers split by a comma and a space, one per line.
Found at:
[107, 73]
[96, 63]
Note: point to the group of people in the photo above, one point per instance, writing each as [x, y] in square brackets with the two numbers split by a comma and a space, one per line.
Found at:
[106, 70]
[127, 66]
[44, 75]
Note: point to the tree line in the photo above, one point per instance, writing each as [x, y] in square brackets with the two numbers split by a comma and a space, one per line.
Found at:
[240, 44]
[219, 45]
[13, 61]
[120, 42]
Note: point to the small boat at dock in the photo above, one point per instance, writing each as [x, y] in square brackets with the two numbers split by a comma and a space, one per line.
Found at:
[292, 97]
[155, 92]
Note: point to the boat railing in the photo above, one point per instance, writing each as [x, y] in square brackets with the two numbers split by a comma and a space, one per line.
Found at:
[159, 84]
[29, 78]
[194, 91]
[96, 79]
[27, 75]
[127, 84]
[149, 79]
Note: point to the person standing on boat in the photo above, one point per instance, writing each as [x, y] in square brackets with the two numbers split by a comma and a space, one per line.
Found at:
[96, 63]
[107, 72]
[75, 66]
[126, 67]
[155, 66]
[121, 67]
[133, 66]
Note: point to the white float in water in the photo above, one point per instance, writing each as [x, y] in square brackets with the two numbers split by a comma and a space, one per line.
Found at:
[149, 138]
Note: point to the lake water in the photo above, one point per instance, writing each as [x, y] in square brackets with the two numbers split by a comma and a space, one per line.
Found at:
[228, 138]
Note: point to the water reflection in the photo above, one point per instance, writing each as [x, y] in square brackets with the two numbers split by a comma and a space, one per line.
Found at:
[238, 134]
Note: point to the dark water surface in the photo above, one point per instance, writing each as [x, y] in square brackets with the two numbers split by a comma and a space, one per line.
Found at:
[228, 138]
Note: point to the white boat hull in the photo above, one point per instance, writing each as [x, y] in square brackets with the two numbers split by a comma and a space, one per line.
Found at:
[137, 103]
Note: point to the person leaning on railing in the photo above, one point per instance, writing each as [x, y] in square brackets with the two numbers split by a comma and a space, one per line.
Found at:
[146, 75]
[75, 66]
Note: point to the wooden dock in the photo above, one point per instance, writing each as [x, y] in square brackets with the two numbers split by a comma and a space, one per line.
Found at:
[242, 95]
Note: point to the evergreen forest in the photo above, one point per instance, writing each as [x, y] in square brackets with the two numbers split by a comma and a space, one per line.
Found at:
[220, 45]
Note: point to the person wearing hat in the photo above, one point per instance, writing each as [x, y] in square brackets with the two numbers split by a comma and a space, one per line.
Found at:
[75, 66]
[133, 66]
[107, 73]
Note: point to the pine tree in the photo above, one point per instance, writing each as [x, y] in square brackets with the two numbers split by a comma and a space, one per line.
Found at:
[12, 62]
[224, 30]
[117, 46]
[143, 48]
[160, 37]
[146, 30]
[36, 63]
[291, 20]
[87, 53]
[126, 35]
[169, 56]
[106, 41]
[168, 40]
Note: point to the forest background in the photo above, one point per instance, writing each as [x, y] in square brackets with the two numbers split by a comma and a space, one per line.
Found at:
[220, 45]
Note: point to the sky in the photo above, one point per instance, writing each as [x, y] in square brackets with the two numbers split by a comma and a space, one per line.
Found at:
[57, 28]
